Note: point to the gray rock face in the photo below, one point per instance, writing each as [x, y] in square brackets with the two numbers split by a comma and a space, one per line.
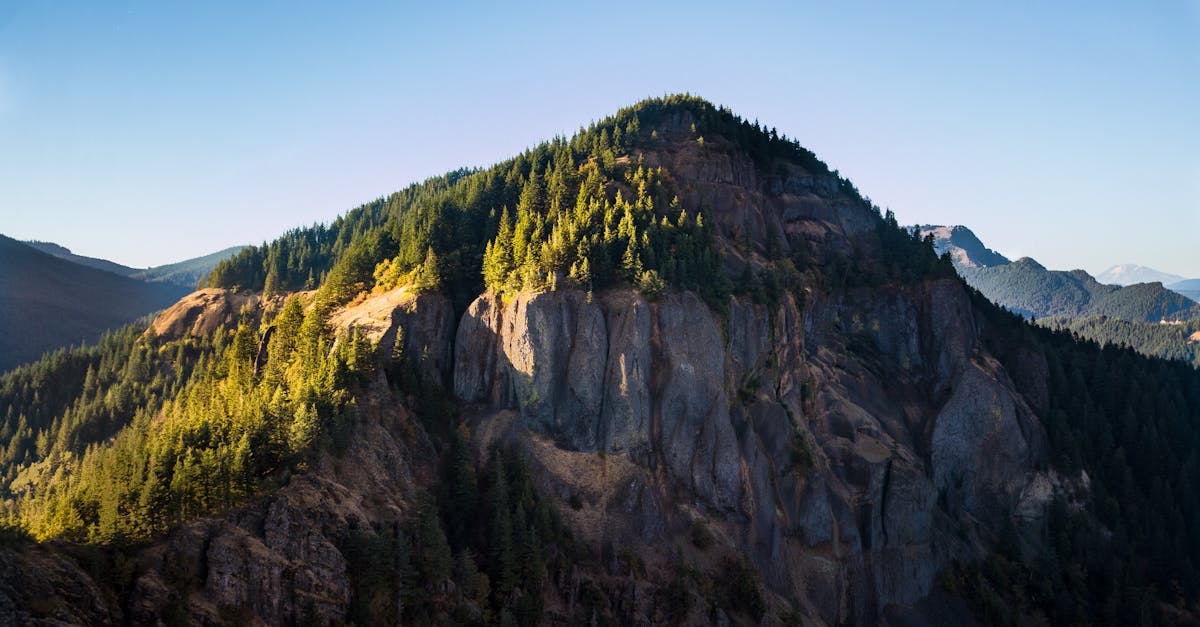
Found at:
[696, 437]
[278, 560]
[847, 446]
[625, 413]
[422, 322]
[607, 376]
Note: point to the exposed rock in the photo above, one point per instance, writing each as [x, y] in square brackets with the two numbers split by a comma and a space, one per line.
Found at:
[40, 586]
[869, 428]
[594, 385]
[202, 312]
[424, 323]
[849, 442]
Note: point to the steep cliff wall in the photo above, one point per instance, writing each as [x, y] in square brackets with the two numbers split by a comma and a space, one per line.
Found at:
[852, 446]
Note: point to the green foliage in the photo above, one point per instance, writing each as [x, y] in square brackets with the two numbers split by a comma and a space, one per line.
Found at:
[156, 432]
[583, 211]
[702, 537]
[1154, 339]
[1029, 289]
[675, 600]
[623, 227]
[743, 587]
[505, 533]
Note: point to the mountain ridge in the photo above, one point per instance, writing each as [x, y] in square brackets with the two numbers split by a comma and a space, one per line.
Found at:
[1030, 289]
[964, 246]
[186, 273]
[1188, 287]
[47, 302]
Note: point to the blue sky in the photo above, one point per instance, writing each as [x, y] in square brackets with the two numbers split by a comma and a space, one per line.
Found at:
[147, 132]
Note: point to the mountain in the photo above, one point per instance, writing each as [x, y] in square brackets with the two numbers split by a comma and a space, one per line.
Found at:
[966, 251]
[1028, 288]
[671, 370]
[1189, 288]
[47, 302]
[1074, 301]
[185, 273]
[1128, 274]
[62, 252]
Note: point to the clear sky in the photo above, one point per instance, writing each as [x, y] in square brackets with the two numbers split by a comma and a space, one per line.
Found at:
[147, 132]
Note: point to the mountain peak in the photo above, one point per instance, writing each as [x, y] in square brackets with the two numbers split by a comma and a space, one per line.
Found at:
[1130, 273]
[965, 248]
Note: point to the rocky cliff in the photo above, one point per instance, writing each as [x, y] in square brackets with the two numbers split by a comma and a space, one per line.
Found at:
[852, 446]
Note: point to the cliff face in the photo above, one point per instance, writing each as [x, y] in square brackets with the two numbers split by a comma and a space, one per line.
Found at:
[202, 312]
[851, 446]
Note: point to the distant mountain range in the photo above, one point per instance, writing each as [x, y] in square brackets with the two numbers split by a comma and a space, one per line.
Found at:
[1130, 273]
[1028, 288]
[51, 298]
[1130, 314]
[185, 273]
[1187, 287]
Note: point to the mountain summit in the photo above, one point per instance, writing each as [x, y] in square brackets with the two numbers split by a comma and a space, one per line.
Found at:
[1129, 273]
[671, 370]
[966, 251]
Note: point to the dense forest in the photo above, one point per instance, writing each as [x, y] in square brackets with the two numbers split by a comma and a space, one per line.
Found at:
[1131, 424]
[117, 442]
[1179, 341]
[153, 433]
[137, 433]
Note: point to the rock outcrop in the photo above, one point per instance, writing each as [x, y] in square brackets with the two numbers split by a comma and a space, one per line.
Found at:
[852, 446]
[423, 322]
[617, 374]
[202, 312]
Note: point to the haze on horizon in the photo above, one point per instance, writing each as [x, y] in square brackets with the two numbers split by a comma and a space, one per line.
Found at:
[146, 133]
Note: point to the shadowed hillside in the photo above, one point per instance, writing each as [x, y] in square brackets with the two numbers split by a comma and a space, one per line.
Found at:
[47, 302]
[186, 273]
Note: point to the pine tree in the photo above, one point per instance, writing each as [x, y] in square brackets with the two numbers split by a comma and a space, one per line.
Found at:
[304, 429]
[631, 263]
[498, 260]
[501, 531]
[429, 276]
[461, 494]
[434, 559]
